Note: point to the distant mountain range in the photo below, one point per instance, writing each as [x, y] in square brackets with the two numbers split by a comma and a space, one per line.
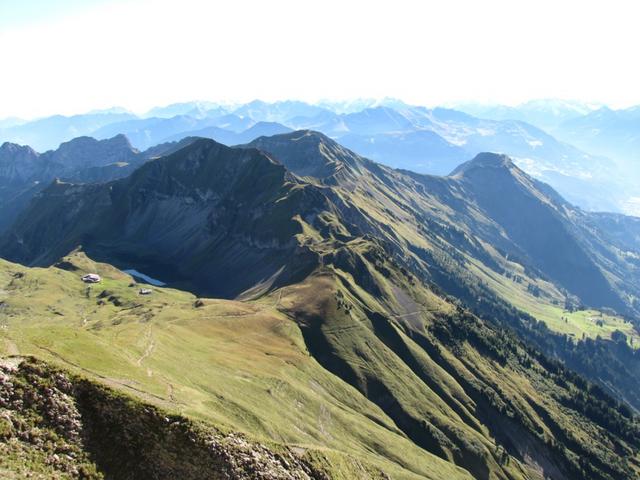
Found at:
[594, 128]
[547, 114]
[615, 133]
[424, 140]
[48, 133]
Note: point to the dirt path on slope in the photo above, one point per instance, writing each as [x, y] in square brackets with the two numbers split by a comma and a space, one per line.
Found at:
[112, 382]
[151, 344]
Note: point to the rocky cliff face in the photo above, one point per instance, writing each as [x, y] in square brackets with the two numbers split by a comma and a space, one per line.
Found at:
[24, 172]
[19, 164]
[86, 152]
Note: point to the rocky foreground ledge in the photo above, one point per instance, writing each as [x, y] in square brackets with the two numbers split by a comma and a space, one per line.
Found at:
[54, 424]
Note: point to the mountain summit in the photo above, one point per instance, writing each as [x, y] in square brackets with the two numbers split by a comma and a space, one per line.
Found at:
[482, 161]
[310, 154]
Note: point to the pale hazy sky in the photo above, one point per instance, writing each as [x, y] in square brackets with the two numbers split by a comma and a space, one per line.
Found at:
[69, 56]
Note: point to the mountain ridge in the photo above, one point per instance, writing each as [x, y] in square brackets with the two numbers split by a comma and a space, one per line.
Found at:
[335, 166]
[428, 140]
[394, 280]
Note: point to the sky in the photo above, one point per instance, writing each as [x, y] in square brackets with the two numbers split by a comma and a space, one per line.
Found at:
[71, 56]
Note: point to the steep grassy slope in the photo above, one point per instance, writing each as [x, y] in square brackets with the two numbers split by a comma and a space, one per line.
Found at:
[621, 230]
[208, 195]
[364, 362]
[445, 378]
[454, 225]
[487, 210]
[242, 366]
[57, 425]
[535, 220]
[484, 235]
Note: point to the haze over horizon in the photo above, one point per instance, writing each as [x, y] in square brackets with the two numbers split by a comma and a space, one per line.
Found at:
[72, 57]
[366, 102]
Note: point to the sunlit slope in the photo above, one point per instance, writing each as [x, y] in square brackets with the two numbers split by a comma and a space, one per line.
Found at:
[222, 221]
[455, 385]
[57, 424]
[487, 212]
[239, 365]
[504, 244]
[364, 362]
[543, 301]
